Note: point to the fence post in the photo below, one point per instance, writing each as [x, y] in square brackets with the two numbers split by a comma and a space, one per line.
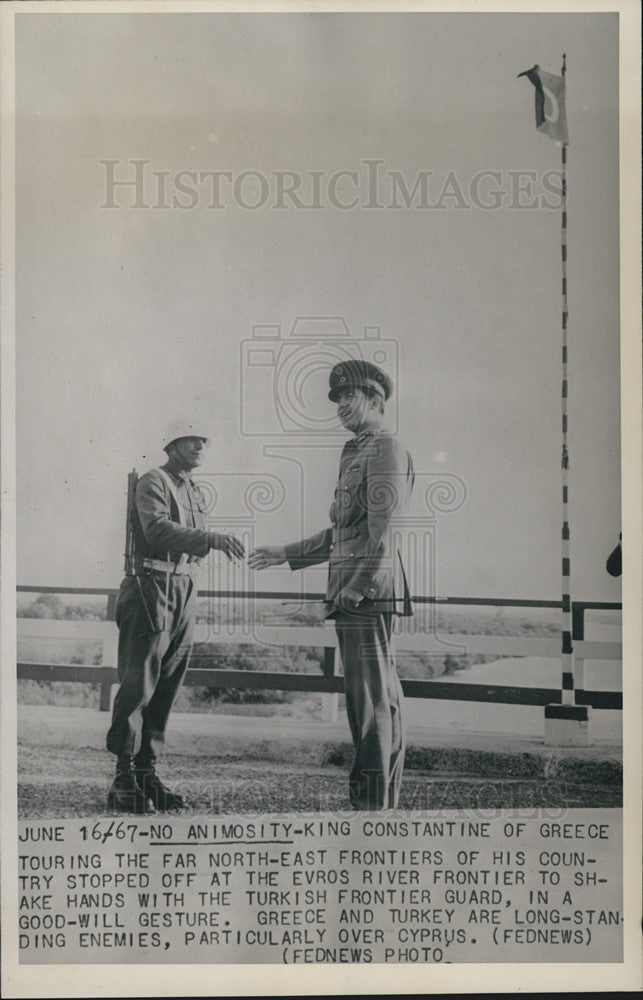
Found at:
[105, 703]
[109, 657]
[570, 724]
[330, 701]
[111, 607]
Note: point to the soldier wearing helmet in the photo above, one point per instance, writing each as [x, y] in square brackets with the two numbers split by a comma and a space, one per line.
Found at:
[362, 593]
[155, 615]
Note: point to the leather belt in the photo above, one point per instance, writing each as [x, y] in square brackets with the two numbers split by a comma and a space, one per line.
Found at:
[160, 566]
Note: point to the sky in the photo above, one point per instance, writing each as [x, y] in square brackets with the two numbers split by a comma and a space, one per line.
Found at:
[130, 316]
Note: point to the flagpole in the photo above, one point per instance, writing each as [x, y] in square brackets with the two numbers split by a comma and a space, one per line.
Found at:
[567, 650]
[567, 722]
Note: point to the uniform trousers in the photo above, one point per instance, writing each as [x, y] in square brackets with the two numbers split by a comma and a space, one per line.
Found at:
[373, 703]
[154, 648]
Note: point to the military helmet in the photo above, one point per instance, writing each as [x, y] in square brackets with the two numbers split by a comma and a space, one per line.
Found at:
[183, 429]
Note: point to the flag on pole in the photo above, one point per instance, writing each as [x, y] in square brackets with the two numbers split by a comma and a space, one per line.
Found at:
[551, 116]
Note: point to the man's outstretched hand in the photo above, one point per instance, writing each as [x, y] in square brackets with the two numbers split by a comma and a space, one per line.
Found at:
[267, 555]
[226, 542]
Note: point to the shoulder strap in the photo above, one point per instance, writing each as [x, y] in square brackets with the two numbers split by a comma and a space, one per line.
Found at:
[172, 488]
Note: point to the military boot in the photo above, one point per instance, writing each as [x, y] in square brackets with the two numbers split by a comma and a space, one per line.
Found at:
[125, 794]
[153, 788]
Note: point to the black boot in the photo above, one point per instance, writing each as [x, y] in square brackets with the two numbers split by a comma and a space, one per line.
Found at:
[125, 794]
[153, 788]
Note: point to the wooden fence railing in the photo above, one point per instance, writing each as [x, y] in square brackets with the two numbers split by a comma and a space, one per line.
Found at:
[329, 682]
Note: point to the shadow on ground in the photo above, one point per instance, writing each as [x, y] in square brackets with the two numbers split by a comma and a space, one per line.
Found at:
[216, 785]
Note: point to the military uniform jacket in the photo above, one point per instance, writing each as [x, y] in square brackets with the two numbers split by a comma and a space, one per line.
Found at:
[361, 545]
[169, 521]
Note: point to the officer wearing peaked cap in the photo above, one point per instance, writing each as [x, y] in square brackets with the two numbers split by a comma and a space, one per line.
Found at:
[356, 373]
[364, 591]
[155, 615]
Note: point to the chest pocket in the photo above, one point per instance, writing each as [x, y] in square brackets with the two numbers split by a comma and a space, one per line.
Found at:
[198, 500]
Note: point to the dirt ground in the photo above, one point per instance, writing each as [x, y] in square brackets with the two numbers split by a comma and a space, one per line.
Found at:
[253, 766]
[77, 785]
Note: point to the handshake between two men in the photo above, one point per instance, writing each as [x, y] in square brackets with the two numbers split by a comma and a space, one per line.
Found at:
[156, 603]
[266, 556]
